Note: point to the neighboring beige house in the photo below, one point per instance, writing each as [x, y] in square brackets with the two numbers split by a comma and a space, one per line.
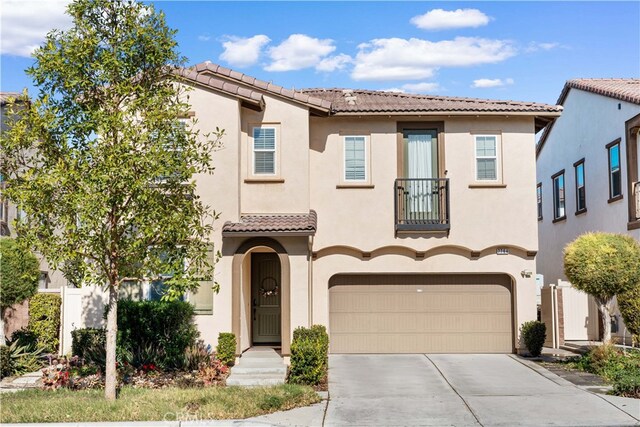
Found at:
[9, 213]
[404, 223]
[587, 168]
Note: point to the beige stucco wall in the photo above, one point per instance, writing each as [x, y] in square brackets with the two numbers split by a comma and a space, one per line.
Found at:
[362, 219]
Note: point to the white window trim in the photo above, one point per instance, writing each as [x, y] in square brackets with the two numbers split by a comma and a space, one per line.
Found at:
[497, 157]
[344, 160]
[275, 151]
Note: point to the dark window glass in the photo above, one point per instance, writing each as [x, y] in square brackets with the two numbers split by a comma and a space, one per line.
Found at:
[615, 175]
[558, 196]
[581, 195]
[539, 198]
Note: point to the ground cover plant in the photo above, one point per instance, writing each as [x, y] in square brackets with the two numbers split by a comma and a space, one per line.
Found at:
[619, 368]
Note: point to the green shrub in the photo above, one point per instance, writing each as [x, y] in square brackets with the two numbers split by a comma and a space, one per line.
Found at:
[157, 332]
[309, 355]
[226, 349]
[44, 320]
[627, 385]
[6, 362]
[19, 274]
[25, 337]
[629, 304]
[86, 340]
[533, 334]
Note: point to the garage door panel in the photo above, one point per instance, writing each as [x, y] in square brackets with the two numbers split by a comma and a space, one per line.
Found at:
[420, 313]
[420, 322]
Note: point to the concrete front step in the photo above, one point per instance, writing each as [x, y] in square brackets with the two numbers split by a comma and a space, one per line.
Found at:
[253, 380]
[258, 366]
[243, 369]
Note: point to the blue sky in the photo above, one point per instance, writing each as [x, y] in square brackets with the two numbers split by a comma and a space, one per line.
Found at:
[501, 50]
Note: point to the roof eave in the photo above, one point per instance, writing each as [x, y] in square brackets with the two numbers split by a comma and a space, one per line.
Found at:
[449, 113]
[268, 233]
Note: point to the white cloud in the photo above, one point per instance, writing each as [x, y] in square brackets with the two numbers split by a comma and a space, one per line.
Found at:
[438, 19]
[424, 87]
[25, 23]
[243, 51]
[204, 38]
[415, 59]
[299, 51]
[333, 63]
[485, 83]
[535, 46]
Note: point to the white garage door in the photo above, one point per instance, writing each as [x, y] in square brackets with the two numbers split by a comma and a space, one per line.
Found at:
[420, 314]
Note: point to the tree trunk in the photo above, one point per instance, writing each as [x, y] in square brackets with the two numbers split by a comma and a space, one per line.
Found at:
[605, 311]
[111, 377]
[3, 339]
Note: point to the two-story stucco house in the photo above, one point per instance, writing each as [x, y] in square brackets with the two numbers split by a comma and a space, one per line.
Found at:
[587, 168]
[404, 223]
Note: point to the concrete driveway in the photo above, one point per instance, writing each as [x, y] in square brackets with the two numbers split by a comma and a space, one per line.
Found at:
[463, 390]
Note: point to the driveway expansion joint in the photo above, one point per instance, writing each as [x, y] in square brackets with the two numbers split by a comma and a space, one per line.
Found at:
[454, 390]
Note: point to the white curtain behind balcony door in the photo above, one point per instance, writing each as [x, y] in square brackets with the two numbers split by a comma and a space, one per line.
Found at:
[419, 165]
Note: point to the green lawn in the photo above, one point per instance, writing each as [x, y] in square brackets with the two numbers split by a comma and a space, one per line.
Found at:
[38, 406]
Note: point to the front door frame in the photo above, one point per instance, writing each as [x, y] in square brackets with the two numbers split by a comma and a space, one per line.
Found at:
[255, 300]
[236, 289]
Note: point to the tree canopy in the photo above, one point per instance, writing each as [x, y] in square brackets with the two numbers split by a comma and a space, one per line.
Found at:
[103, 159]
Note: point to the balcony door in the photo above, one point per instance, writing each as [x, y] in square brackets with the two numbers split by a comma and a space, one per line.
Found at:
[421, 173]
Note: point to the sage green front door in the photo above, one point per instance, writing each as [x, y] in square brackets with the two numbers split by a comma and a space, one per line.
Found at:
[265, 298]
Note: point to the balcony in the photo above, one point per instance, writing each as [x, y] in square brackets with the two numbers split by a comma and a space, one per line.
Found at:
[422, 204]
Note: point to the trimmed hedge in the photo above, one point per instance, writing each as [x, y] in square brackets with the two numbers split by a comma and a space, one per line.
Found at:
[534, 334]
[157, 332]
[86, 339]
[309, 355]
[44, 320]
[226, 349]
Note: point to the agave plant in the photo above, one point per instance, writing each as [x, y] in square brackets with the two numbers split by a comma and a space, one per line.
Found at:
[25, 358]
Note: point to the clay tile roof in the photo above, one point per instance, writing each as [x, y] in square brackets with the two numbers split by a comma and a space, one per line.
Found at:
[6, 96]
[347, 101]
[213, 70]
[287, 224]
[622, 89]
[196, 75]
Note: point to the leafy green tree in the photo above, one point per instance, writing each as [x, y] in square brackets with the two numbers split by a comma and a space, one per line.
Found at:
[19, 274]
[102, 163]
[629, 305]
[603, 265]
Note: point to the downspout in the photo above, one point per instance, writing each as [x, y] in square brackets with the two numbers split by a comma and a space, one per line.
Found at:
[310, 280]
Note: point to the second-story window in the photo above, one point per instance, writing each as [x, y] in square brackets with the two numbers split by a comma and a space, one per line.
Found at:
[558, 196]
[264, 150]
[615, 173]
[486, 158]
[539, 199]
[581, 195]
[355, 164]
